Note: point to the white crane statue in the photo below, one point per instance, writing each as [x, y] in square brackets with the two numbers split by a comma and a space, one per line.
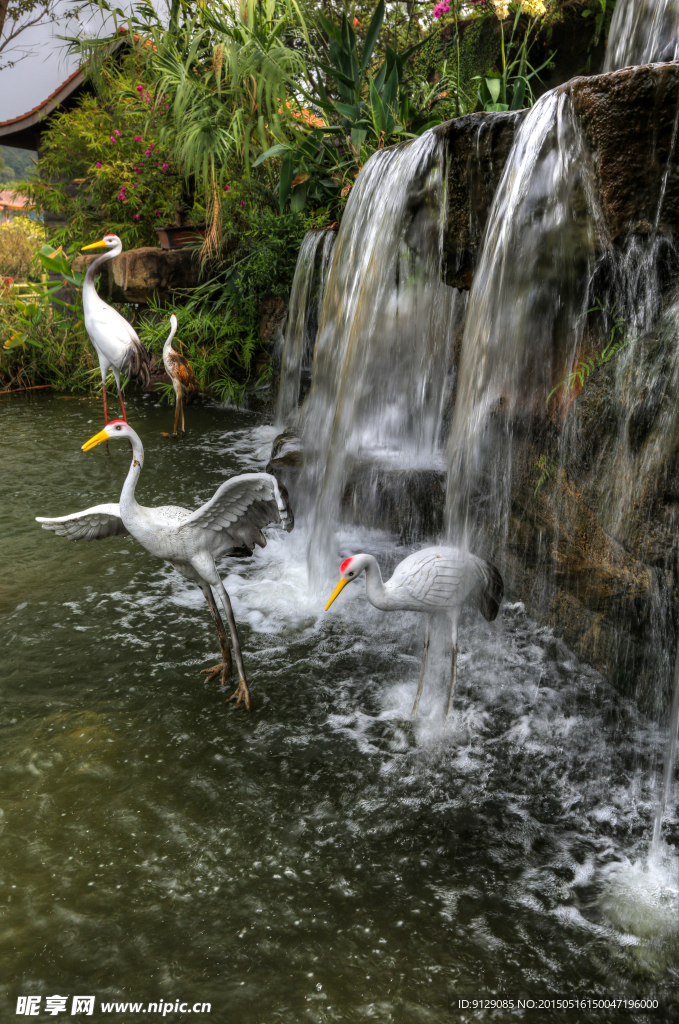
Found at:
[115, 340]
[433, 580]
[232, 519]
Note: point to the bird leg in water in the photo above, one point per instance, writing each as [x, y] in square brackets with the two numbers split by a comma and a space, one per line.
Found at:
[423, 669]
[176, 413]
[178, 408]
[241, 695]
[122, 404]
[225, 667]
[453, 670]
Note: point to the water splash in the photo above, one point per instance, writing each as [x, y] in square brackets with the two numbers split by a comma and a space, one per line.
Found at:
[306, 296]
[384, 344]
[670, 763]
[643, 31]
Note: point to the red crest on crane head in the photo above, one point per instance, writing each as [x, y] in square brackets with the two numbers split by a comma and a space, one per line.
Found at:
[113, 422]
[345, 564]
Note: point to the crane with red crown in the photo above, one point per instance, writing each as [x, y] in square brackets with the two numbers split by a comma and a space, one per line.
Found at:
[434, 580]
[232, 519]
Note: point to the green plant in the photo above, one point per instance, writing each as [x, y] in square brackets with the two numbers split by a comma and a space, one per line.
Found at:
[547, 465]
[366, 108]
[510, 88]
[103, 161]
[20, 240]
[618, 339]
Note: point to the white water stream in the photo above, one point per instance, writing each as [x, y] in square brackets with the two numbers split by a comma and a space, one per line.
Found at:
[643, 31]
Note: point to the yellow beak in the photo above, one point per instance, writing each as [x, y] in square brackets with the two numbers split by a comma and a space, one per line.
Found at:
[336, 592]
[94, 441]
[94, 245]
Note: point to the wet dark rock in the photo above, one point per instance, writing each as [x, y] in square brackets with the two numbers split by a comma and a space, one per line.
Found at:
[629, 118]
[409, 502]
[273, 314]
[478, 147]
[287, 459]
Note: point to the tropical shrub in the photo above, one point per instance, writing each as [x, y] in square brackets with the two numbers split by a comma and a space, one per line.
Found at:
[20, 242]
[104, 167]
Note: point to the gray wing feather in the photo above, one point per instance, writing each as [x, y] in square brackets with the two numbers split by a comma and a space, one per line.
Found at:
[241, 507]
[94, 523]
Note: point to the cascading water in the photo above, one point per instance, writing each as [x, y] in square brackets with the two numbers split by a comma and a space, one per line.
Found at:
[384, 344]
[643, 31]
[546, 259]
[525, 309]
[306, 296]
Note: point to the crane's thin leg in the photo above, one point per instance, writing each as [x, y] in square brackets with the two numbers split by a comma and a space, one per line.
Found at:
[241, 695]
[181, 403]
[423, 669]
[105, 410]
[122, 404]
[453, 669]
[225, 667]
[176, 411]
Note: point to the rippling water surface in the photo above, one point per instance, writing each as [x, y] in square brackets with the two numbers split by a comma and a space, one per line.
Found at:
[321, 858]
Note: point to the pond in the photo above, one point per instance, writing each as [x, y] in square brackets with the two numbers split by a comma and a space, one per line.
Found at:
[321, 858]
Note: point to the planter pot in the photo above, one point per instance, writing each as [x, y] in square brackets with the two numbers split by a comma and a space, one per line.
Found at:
[179, 238]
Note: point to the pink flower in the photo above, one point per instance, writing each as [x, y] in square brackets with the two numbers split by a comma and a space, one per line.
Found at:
[242, 202]
[116, 132]
[165, 167]
[113, 138]
[157, 213]
[227, 188]
[140, 88]
[441, 8]
[138, 138]
[135, 216]
[97, 164]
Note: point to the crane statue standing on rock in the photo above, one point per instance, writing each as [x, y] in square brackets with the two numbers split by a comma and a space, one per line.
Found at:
[180, 373]
[432, 581]
[115, 340]
[233, 518]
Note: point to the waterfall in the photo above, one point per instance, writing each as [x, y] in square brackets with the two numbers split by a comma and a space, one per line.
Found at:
[529, 292]
[306, 298]
[380, 373]
[548, 285]
[643, 31]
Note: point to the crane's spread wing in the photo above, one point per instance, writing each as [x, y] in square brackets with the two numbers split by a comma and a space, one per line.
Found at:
[241, 507]
[93, 524]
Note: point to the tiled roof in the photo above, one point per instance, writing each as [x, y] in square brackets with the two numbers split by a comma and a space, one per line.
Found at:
[53, 100]
[13, 201]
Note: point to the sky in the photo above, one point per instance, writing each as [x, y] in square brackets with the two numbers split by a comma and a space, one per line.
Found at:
[34, 77]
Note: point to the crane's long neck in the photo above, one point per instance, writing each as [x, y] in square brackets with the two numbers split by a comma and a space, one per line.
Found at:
[374, 586]
[89, 290]
[167, 347]
[128, 503]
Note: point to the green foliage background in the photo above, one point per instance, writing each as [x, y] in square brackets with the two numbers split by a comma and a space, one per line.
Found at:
[252, 122]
